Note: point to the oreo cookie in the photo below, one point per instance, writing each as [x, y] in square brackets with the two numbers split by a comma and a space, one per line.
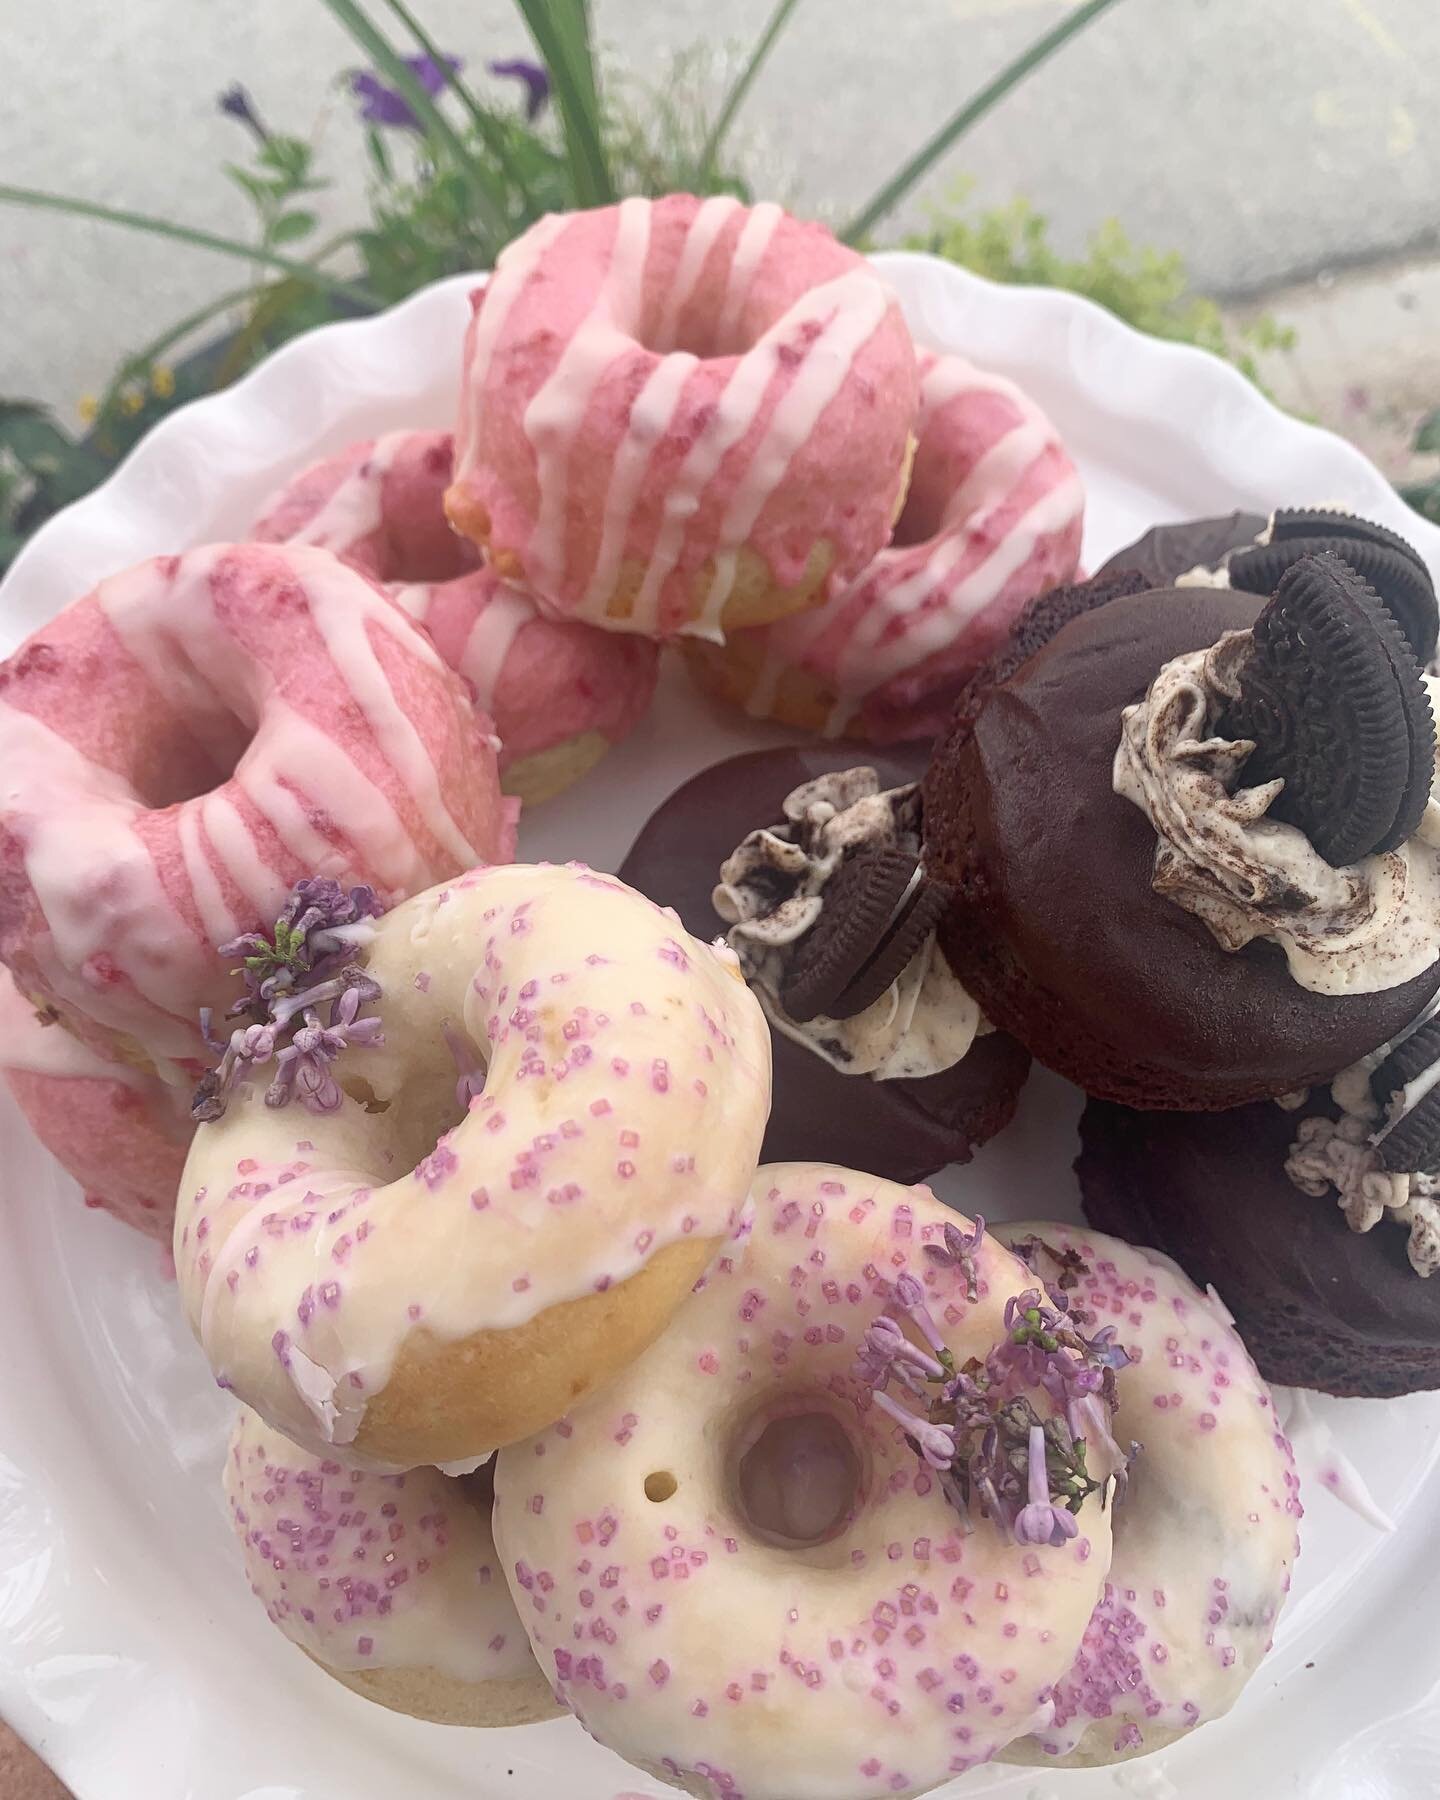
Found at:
[1412, 1144]
[878, 910]
[1379, 556]
[1333, 699]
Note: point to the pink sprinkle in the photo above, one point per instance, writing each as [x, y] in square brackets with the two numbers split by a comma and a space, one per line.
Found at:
[659, 1671]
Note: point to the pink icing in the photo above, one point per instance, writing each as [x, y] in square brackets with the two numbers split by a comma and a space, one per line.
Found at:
[661, 383]
[121, 1134]
[544, 682]
[993, 517]
[185, 742]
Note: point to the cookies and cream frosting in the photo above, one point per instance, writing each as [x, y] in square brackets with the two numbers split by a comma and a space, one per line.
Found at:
[772, 891]
[1343, 1153]
[1356, 930]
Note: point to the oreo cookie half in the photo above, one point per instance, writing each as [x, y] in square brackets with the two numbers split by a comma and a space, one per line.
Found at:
[878, 910]
[1412, 1145]
[1379, 556]
[1333, 699]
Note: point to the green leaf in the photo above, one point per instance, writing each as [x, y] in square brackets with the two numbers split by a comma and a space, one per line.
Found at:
[741, 87]
[561, 31]
[292, 225]
[974, 109]
[1427, 435]
[187, 234]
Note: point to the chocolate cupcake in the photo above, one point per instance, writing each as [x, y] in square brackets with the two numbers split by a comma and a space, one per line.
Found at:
[1136, 819]
[1319, 1225]
[882, 1060]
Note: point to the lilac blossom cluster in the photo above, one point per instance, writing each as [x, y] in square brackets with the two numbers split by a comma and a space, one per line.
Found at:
[305, 964]
[1023, 1437]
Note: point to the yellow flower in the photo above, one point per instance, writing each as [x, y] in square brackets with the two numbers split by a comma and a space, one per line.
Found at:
[162, 381]
[131, 401]
[88, 407]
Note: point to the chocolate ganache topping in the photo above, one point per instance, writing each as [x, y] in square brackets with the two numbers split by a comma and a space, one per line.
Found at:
[773, 893]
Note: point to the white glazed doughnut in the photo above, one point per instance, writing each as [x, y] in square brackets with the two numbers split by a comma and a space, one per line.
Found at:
[1206, 1541]
[422, 1281]
[389, 1582]
[739, 1574]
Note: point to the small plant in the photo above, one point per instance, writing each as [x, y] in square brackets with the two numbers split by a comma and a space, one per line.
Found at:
[456, 172]
[1424, 495]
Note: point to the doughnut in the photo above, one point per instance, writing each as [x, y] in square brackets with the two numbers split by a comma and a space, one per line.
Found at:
[387, 1582]
[420, 1270]
[1206, 1540]
[992, 518]
[681, 416]
[732, 1565]
[560, 694]
[183, 743]
[119, 1132]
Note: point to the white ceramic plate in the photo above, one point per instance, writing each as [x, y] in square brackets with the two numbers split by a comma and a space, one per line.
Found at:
[131, 1653]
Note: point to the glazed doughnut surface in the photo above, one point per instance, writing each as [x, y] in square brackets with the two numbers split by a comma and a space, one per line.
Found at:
[422, 1274]
[679, 416]
[873, 1648]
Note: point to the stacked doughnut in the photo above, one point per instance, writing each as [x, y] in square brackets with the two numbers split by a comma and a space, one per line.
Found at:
[775, 1554]
[179, 747]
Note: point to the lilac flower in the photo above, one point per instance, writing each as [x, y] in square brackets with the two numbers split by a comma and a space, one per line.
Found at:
[936, 1443]
[289, 975]
[886, 1353]
[959, 1251]
[471, 1082]
[910, 1298]
[537, 82]
[1040, 1521]
[236, 103]
[382, 105]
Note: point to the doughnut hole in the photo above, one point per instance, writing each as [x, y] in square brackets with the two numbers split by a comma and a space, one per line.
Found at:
[797, 1472]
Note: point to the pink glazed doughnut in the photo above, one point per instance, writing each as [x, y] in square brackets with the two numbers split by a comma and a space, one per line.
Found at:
[184, 743]
[739, 1574]
[682, 416]
[120, 1133]
[1206, 1541]
[993, 517]
[560, 693]
[423, 1273]
[388, 1582]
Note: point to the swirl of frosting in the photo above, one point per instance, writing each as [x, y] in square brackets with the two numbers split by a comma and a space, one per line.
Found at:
[1356, 930]
[772, 891]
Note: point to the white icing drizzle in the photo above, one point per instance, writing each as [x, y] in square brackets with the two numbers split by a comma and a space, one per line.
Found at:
[498, 623]
[760, 226]
[513, 268]
[714, 215]
[355, 509]
[852, 306]
[553, 417]
[29, 1046]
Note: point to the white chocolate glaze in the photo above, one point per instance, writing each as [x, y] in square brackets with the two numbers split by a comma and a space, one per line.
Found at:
[625, 1097]
[1207, 1535]
[1355, 930]
[886, 1658]
[367, 1571]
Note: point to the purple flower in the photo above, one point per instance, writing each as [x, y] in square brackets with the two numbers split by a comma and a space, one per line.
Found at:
[959, 1251]
[1040, 1521]
[471, 1071]
[537, 82]
[382, 105]
[236, 103]
[886, 1352]
[936, 1443]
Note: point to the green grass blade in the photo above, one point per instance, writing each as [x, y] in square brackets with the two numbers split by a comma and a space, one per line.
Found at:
[481, 117]
[561, 31]
[187, 234]
[970, 114]
[741, 87]
[439, 132]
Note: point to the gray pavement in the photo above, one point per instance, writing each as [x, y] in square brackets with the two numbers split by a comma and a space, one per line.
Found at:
[1266, 139]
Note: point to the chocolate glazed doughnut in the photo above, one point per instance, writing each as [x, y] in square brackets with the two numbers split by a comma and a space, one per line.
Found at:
[1056, 929]
[904, 1129]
